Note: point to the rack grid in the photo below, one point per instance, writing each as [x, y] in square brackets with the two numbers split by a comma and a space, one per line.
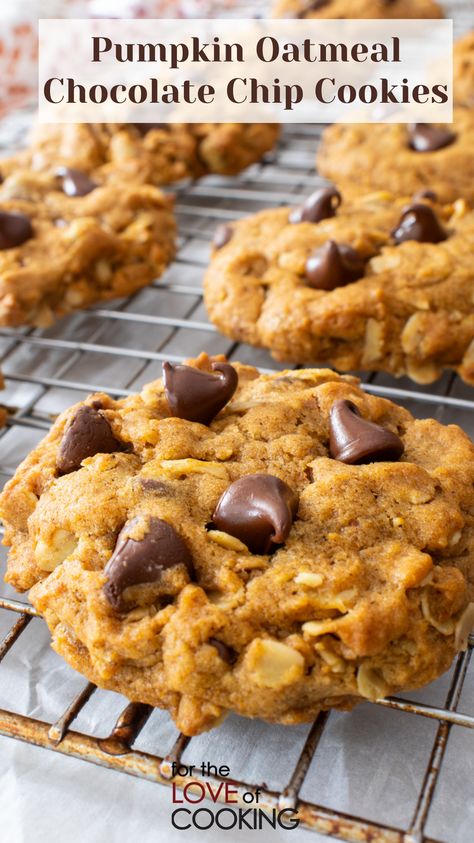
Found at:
[117, 349]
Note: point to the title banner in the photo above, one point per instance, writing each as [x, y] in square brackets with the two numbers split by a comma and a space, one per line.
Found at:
[245, 71]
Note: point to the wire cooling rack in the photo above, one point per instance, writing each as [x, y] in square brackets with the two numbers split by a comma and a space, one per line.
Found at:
[117, 349]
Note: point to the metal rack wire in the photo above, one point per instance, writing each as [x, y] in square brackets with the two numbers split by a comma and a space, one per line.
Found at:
[119, 347]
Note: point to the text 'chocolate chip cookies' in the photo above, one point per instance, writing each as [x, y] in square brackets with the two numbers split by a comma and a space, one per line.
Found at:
[155, 536]
[377, 283]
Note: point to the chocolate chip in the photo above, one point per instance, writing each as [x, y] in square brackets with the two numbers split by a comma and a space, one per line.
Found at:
[321, 205]
[75, 182]
[87, 434]
[419, 222]
[226, 653]
[424, 137]
[334, 265]
[140, 561]
[15, 229]
[144, 128]
[222, 235]
[355, 440]
[425, 194]
[258, 509]
[195, 395]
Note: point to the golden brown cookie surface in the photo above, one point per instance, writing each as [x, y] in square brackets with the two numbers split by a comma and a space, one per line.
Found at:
[380, 284]
[464, 70]
[362, 9]
[169, 570]
[67, 241]
[366, 157]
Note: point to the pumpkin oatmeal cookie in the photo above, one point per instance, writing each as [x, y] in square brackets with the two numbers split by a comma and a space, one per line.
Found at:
[66, 241]
[421, 156]
[375, 283]
[231, 541]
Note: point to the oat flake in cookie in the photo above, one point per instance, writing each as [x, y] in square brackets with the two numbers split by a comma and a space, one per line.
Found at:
[307, 546]
[373, 283]
[67, 241]
[380, 156]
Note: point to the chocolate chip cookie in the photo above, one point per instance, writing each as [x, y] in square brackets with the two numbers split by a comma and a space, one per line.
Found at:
[408, 158]
[154, 153]
[362, 9]
[268, 544]
[67, 241]
[464, 70]
[376, 283]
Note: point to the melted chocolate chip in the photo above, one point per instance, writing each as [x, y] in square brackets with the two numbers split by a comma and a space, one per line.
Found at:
[87, 434]
[144, 128]
[140, 561]
[257, 509]
[425, 137]
[222, 235]
[75, 182]
[226, 653]
[419, 222]
[354, 440]
[334, 265]
[196, 395]
[321, 205]
[15, 229]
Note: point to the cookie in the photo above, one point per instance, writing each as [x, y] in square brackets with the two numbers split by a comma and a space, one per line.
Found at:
[153, 153]
[362, 9]
[375, 283]
[366, 157]
[67, 241]
[464, 70]
[266, 544]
